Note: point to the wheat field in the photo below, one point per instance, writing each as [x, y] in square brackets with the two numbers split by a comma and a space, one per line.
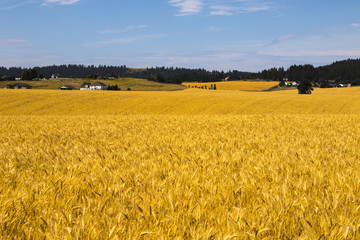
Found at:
[235, 85]
[192, 164]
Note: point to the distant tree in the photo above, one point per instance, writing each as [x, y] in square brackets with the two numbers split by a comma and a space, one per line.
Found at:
[324, 84]
[34, 73]
[305, 87]
[156, 78]
[29, 74]
[113, 88]
[26, 75]
[93, 76]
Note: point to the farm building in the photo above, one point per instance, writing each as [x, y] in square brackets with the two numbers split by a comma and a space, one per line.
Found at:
[294, 84]
[19, 85]
[93, 86]
[85, 86]
[67, 87]
[98, 86]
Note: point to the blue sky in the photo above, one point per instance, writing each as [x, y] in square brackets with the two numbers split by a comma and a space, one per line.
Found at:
[247, 35]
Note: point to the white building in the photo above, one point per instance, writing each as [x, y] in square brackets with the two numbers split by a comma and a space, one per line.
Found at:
[98, 86]
[85, 86]
[94, 86]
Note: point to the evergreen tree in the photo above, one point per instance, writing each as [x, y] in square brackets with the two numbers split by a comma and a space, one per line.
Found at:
[34, 73]
[25, 75]
[305, 87]
[282, 83]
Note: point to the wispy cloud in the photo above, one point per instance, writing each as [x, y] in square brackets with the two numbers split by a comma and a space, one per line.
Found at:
[239, 7]
[220, 7]
[129, 28]
[14, 4]
[315, 45]
[222, 10]
[320, 53]
[13, 43]
[60, 2]
[187, 7]
[280, 39]
[355, 25]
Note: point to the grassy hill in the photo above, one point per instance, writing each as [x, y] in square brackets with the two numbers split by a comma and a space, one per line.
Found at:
[135, 84]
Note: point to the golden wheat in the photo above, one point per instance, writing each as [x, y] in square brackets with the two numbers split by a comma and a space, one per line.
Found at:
[179, 165]
[235, 85]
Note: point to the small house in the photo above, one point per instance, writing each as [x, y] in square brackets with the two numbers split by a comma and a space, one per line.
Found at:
[67, 87]
[18, 85]
[85, 86]
[291, 84]
[332, 84]
[55, 76]
[98, 86]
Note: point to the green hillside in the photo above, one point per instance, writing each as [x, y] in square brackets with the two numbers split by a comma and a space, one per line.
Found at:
[135, 84]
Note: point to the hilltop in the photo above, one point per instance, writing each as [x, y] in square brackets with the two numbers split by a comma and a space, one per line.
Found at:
[135, 84]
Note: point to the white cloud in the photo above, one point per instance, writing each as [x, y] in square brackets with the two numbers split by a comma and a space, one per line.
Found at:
[222, 10]
[320, 44]
[15, 43]
[12, 41]
[213, 29]
[355, 25]
[35, 60]
[60, 2]
[129, 28]
[12, 4]
[15, 4]
[187, 7]
[321, 53]
[220, 7]
[280, 39]
[106, 31]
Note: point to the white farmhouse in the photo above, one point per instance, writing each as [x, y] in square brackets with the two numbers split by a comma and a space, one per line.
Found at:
[93, 86]
[98, 86]
[85, 86]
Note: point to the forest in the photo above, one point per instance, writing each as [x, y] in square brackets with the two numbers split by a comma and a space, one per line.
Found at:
[346, 71]
[159, 74]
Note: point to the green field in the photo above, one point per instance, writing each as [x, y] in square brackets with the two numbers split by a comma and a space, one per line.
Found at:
[134, 84]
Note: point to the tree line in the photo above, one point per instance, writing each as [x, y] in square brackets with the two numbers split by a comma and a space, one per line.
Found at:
[158, 74]
[346, 71]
